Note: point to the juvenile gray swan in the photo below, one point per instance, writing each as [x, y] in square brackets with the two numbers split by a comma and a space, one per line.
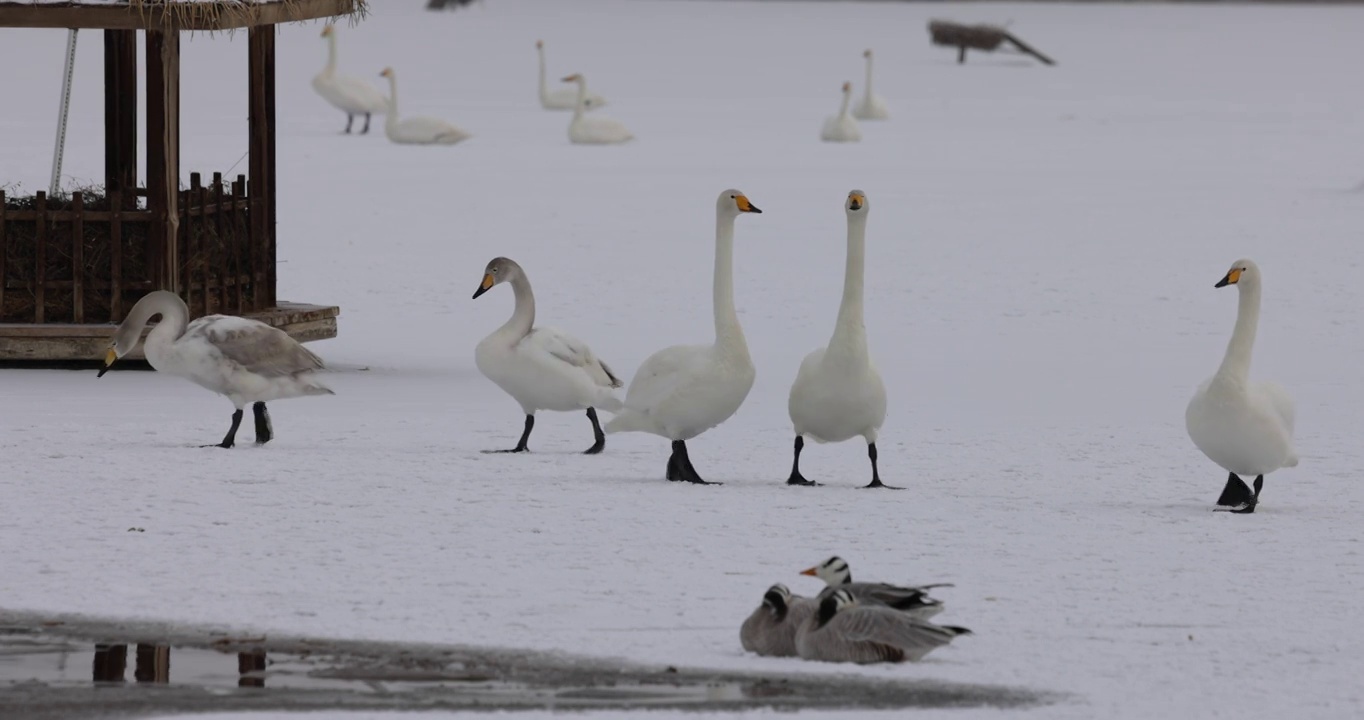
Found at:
[844, 630]
[771, 628]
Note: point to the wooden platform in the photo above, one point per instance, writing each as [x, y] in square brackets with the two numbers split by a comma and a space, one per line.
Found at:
[27, 342]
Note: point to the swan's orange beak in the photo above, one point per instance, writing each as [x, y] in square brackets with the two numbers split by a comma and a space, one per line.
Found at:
[109, 359]
[1230, 278]
[745, 205]
[855, 202]
[484, 286]
[809, 571]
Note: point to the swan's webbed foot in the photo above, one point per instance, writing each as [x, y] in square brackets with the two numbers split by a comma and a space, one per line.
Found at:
[362, 132]
[598, 437]
[349, 120]
[796, 478]
[265, 432]
[685, 470]
[875, 473]
[1236, 492]
[674, 473]
[521, 445]
[231, 438]
[1246, 506]
[876, 483]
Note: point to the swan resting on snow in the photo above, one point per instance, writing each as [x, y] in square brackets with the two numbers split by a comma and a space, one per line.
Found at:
[771, 628]
[842, 127]
[351, 95]
[871, 106]
[914, 600]
[838, 394]
[540, 367]
[416, 130]
[845, 629]
[593, 129]
[1245, 427]
[684, 390]
[243, 359]
[562, 98]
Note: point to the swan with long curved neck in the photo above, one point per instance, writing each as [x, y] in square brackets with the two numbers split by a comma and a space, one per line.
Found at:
[246, 360]
[871, 106]
[838, 394]
[350, 95]
[419, 130]
[540, 367]
[1245, 427]
[842, 127]
[595, 129]
[684, 390]
[562, 98]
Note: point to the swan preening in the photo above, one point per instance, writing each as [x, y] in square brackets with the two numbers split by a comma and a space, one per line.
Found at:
[1245, 427]
[243, 359]
[351, 95]
[593, 129]
[842, 127]
[416, 130]
[542, 368]
[871, 106]
[838, 394]
[684, 390]
[562, 98]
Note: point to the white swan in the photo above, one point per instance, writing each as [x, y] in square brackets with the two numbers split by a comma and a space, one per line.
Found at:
[838, 394]
[561, 98]
[542, 368]
[416, 130]
[351, 95]
[244, 359]
[871, 106]
[593, 129]
[1245, 427]
[684, 390]
[842, 127]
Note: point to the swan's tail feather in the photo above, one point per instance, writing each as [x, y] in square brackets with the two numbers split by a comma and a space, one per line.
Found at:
[626, 421]
[1292, 460]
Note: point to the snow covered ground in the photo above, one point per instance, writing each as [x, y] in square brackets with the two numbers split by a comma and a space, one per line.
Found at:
[1043, 246]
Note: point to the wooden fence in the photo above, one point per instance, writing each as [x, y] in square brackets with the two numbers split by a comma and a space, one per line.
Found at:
[87, 260]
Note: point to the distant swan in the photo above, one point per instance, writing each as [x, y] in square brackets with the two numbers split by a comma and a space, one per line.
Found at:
[842, 127]
[351, 95]
[1245, 427]
[244, 359]
[416, 130]
[593, 129]
[561, 98]
[871, 106]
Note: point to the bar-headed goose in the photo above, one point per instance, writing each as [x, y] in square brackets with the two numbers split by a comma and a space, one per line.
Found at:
[845, 630]
[914, 600]
[771, 628]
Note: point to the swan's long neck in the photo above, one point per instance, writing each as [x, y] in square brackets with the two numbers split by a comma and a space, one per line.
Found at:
[843, 109]
[331, 55]
[868, 89]
[174, 317]
[850, 333]
[544, 90]
[1236, 363]
[391, 117]
[728, 334]
[582, 98]
[523, 316]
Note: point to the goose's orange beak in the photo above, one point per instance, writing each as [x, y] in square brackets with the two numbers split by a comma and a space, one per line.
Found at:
[809, 571]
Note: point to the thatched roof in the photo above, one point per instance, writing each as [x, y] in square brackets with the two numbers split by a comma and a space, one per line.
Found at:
[209, 15]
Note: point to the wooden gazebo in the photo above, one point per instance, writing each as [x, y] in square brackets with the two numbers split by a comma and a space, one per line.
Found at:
[70, 266]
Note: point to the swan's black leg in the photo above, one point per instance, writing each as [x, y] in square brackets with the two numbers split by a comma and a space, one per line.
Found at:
[1236, 492]
[687, 472]
[598, 437]
[349, 119]
[1248, 506]
[875, 473]
[674, 470]
[525, 438]
[362, 132]
[796, 478]
[231, 438]
[265, 432]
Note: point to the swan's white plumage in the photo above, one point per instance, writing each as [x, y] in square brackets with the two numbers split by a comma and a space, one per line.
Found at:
[682, 391]
[561, 98]
[842, 127]
[594, 129]
[871, 106]
[1247, 428]
[419, 130]
[348, 94]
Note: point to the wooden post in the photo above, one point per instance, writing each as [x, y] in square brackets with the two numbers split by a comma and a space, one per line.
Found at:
[222, 240]
[193, 248]
[77, 257]
[4, 250]
[163, 155]
[40, 256]
[250, 662]
[153, 664]
[111, 662]
[261, 186]
[116, 200]
[120, 112]
[961, 54]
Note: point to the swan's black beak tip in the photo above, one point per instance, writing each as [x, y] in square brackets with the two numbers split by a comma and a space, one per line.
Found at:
[1222, 283]
[753, 209]
[478, 292]
[102, 370]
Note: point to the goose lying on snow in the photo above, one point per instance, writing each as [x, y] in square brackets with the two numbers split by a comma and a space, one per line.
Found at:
[542, 368]
[771, 628]
[1245, 427]
[351, 95]
[914, 600]
[838, 394]
[684, 390]
[842, 127]
[416, 130]
[844, 629]
[562, 98]
[871, 106]
[244, 359]
[593, 129]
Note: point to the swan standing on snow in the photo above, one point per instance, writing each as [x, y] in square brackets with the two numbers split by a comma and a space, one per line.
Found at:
[244, 359]
[1245, 427]
[838, 576]
[684, 390]
[542, 368]
[351, 95]
[838, 394]
[593, 129]
[562, 98]
[771, 629]
[416, 130]
[846, 630]
[842, 127]
[871, 106]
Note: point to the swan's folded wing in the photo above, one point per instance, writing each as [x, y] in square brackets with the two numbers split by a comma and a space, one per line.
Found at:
[1281, 401]
[663, 374]
[255, 346]
[890, 627]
